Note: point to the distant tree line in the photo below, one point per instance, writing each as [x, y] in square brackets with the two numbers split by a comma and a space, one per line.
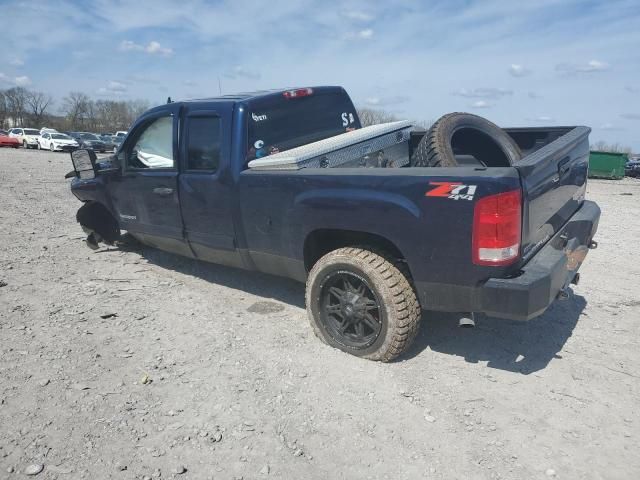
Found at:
[611, 147]
[374, 116]
[77, 111]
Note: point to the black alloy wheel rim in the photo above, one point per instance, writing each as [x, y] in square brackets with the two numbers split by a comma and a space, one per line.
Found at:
[350, 310]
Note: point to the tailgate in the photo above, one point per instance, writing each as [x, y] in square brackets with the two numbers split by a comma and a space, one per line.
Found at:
[554, 181]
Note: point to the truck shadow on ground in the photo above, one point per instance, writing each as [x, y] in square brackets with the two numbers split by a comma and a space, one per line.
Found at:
[259, 284]
[523, 347]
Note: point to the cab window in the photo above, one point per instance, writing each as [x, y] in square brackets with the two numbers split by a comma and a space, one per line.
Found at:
[203, 143]
[153, 145]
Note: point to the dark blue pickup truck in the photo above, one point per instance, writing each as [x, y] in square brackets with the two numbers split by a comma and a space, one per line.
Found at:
[375, 245]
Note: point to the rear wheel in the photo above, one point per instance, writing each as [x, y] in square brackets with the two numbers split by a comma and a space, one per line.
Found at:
[25, 145]
[361, 303]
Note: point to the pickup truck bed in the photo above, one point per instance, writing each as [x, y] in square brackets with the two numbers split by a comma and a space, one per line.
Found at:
[429, 228]
[312, 207]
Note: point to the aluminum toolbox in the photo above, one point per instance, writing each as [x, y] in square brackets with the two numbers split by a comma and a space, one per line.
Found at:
[383, 145]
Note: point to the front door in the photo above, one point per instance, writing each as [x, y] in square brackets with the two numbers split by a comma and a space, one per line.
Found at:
[145, 197]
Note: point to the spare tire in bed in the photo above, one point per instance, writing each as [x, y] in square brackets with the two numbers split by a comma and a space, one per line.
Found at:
[465, 135]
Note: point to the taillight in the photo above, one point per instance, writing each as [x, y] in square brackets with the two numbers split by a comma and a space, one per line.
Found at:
[497, 223]
[298, 92]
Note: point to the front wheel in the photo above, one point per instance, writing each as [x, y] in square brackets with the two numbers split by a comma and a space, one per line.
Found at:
[360, 302]
[25, 145]
[51, 147]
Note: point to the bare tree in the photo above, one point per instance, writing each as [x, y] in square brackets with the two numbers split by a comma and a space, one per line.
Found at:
[135, 108]
[371, 116]
[38, 103]
[16, 100]
[76, 108]
[3, 111]
[602, 146]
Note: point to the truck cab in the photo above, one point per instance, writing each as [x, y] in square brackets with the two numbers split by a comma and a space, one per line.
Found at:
[173, 187]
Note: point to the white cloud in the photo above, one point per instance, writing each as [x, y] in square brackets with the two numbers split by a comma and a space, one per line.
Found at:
[113, 88]
[365, 34]
[359, 16]
[631, 116]
[481, 104]
[632, 89]
[117, 86]
[21, 81]
[17, 62]
[493, 93]
[517, 70]
[591, 66]
[534, 95]
[240, 71]
[385, 101]
[153, 48]
[610, 127]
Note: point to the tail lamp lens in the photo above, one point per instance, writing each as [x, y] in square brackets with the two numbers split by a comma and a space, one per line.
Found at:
[497, 226]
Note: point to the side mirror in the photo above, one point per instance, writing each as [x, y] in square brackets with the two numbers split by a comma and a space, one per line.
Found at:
[84, 163]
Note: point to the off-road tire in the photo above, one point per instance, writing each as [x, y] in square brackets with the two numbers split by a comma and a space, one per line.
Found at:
[392, 287]
[435, 149]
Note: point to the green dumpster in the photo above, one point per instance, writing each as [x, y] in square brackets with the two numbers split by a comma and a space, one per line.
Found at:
[607, 165]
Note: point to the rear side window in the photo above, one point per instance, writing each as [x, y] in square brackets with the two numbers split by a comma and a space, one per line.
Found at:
[203, 143]
[279, 123]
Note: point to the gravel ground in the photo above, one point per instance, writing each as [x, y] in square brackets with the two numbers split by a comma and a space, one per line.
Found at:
[141, 364]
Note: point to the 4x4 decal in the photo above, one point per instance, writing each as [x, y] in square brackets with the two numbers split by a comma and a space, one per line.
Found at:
[452, 190]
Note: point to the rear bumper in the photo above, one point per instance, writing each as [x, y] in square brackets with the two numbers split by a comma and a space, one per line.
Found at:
[551, 270]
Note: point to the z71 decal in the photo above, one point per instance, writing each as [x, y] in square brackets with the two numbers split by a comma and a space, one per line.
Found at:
[452, 190]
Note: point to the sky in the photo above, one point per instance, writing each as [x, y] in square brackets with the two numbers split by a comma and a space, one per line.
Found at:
[517, 63]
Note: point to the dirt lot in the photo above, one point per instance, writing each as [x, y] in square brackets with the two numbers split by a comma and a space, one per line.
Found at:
[200, 371]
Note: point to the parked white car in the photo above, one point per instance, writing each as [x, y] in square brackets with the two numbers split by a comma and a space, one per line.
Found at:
[28, 137]
[48, 130]
[57, 142]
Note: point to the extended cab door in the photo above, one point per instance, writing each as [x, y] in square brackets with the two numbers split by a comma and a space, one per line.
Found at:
[145, 196]
[206, 184]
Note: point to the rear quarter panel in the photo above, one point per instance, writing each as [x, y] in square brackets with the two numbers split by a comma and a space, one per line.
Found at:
[280, 209]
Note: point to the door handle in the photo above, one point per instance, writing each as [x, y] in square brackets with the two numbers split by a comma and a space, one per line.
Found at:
[163, 191]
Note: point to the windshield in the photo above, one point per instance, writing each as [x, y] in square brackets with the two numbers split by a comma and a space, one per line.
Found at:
[60, 136]
[89, 136]
[277, 124]
[30, 131]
